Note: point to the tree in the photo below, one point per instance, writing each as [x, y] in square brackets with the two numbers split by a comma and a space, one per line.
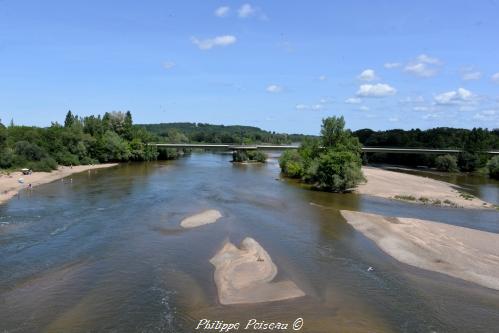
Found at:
[446, 163]
[493, 167]
[335, 167]
[70, 119]
[127, 126]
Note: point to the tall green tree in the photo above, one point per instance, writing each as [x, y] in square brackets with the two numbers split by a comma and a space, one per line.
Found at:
[69, 120]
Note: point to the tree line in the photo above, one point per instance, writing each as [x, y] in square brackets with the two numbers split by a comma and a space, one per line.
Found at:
[80, 140]
[474, 143]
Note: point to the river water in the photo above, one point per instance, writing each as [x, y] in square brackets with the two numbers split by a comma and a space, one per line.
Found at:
[105, 253]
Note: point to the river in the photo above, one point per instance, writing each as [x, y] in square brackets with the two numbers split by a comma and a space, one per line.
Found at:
[105, 253]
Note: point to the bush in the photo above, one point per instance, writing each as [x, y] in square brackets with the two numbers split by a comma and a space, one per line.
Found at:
[291, 164]
[7, 158]
[249, 155]
[29, 151]
[493, 167]
[338, 171]
[66, 158]
[468, 161]
[446, 163]
[46, 164]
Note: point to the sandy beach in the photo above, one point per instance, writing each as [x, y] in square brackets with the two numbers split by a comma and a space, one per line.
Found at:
[246, 274]
[463, 253]
[417, 189]
[10, 186]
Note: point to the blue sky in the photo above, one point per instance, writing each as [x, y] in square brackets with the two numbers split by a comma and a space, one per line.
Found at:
[279, 65]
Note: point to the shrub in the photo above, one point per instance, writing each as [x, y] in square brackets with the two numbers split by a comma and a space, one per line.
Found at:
[7, 158]
[291, 164]
[468, 161]
[29, 151]
[493, 167]
[249, 155]
[338, 171]
[446, 163]
[46, 164]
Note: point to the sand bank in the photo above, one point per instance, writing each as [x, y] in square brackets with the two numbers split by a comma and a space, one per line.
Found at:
[464, 253]
[417, 189]
[245, 275]
[9, 185]
[206, 217]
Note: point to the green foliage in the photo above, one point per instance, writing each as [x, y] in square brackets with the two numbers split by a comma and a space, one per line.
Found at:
[468, 161]
[198, 132]
[249, 156]
[493, 166]
[112, 148]
[291, 164]
[474, 142]
[335, 167]
[446, 163]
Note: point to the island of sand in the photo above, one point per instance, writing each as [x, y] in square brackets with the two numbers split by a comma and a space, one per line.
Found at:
[417, 189]
[463, 253]
[207, 217]
[10, 186]
[245, 274]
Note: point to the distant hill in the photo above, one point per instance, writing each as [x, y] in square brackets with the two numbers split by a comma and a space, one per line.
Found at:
[199, 132]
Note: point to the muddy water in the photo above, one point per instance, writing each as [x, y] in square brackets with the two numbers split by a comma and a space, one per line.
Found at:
[106, 254]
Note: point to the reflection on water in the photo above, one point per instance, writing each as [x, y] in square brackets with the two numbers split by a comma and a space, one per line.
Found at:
[106, 253]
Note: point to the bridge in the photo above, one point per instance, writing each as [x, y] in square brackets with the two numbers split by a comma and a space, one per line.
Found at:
[233, 147]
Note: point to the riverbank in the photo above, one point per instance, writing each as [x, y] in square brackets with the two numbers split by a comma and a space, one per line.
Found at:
[417, 189]
[10, 186]
[463, 253]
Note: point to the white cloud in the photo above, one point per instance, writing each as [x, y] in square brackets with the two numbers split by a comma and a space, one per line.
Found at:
[390, 65]
[495, 77]
[323, 78]
[471, 75]
[311, 107]
[431, 116]
[487, 115]
[169, 65]
[393, 119]
[222, 11]
[420, 69]
[209, 43]
[458, 96]
[376, 90]
[353, 100]
[246, 10]
[428, 60]
[367, 75]
[421, 108]
[412, 100]
[363, 108]
[274, 88]
[423, 66]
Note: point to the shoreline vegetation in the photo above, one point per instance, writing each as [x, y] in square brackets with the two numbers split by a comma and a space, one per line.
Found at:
[10, 185]
[464, 253]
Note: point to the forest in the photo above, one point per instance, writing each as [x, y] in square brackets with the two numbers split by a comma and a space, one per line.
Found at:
[208, 133]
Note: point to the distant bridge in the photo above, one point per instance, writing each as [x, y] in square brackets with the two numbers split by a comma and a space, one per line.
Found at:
[216, 146]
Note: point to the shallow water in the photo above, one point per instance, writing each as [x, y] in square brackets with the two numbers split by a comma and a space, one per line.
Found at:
[106, 253]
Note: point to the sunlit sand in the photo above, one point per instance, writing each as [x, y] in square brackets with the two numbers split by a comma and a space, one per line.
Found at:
[464, 253]
[245, 275]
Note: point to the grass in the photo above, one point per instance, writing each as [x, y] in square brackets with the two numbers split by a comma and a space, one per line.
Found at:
[424, 200]
[466, 196]
[405, 197]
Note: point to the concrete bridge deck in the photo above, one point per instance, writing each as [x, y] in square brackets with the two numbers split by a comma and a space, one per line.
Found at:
[386, 150]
